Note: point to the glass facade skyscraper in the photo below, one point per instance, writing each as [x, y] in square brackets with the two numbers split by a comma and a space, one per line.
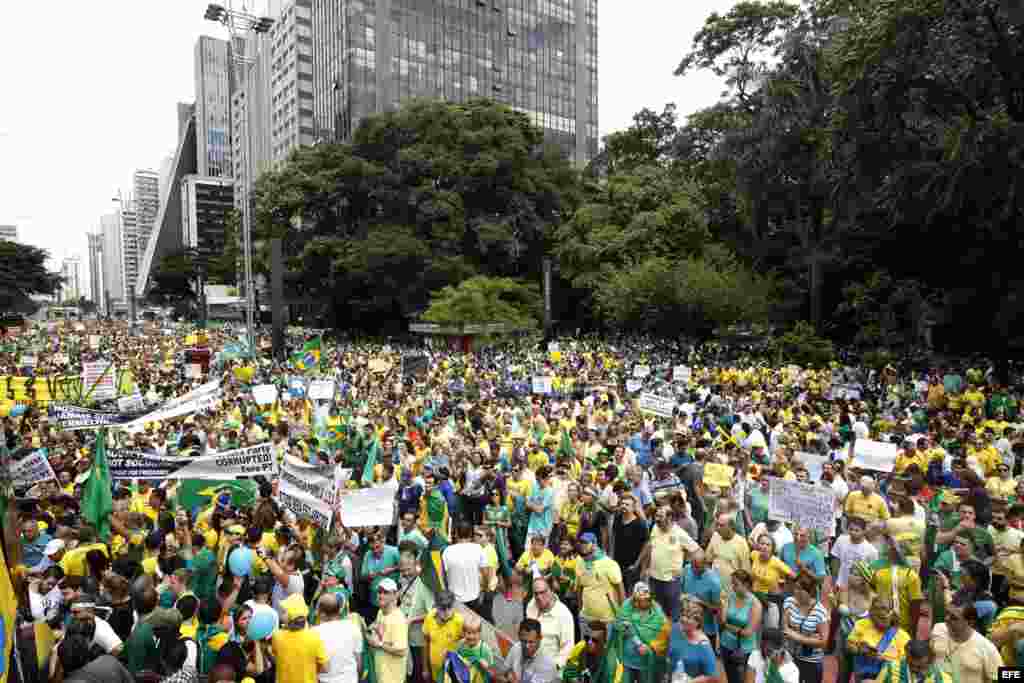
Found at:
[537, 56]
[213, 106]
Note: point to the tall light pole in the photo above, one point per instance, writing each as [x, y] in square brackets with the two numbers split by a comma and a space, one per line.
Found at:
[239, 24]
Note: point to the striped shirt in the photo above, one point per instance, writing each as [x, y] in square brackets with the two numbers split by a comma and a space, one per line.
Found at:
[807, 624]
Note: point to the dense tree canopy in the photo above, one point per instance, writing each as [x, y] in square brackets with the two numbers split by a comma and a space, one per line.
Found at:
[23, 273]
[484, 299]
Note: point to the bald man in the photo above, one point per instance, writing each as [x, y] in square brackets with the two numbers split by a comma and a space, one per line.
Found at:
[342, 640]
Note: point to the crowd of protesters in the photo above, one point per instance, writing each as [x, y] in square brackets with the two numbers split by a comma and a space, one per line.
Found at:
[565, 535]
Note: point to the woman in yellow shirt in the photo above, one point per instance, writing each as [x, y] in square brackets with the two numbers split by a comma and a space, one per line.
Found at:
[768, 571]
[877, 639]
[569, 515]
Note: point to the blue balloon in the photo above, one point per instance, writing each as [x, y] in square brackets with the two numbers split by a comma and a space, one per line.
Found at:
[264, 622]
[240, 562]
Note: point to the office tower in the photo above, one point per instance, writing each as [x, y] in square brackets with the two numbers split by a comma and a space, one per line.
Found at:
[96, 270]
[146, 191]
[213, 106]
[539, 58]
[113, 274]
[166, 168]
[185, 112]
[9, 233]
[206, 204]
[71, 288]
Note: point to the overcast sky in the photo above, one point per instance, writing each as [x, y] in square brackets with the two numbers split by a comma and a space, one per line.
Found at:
[89, 92]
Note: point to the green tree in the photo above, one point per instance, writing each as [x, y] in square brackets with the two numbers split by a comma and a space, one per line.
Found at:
[23, 273]
[692, 295]
[423, 197]
[174, 282]
[484, 299]
[86, 305]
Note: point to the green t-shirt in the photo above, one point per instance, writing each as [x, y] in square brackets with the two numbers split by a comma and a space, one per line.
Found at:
[140, 648]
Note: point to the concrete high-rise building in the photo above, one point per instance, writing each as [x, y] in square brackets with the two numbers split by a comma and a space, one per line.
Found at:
[71, 288]
[146, 191]
[213, 106]
[113, 274]
[9, 233]
[539, 58]
[131, 255]
[166, 167]
[205, 206]
[96, 270]
[185, 112]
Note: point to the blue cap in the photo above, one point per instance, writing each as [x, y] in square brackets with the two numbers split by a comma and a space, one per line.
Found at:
[588, 538]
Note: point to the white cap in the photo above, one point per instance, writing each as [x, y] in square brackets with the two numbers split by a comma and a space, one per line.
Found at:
[53, 547]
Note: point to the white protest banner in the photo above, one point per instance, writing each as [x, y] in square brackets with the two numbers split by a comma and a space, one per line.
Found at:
[341, 477]
[264, 394]
[251, 461]
[657, 405]
[31, 470]
[633, 385]
[874, 455]
[321, 389]
[681, 373]
[803, 504]
[99, 379]
[367, 507]
[200, 398]
[553, 347]
[641, 371]
[70, 418]
[541, 385]
[814, 464]
[131, 404]
[308, 490]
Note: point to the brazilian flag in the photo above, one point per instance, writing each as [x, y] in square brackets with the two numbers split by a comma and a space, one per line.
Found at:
[309, 357]
[431, 566]
[194, 494]
[609, 667]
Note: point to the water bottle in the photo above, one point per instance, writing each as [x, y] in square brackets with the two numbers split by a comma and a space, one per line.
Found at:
[680, 675]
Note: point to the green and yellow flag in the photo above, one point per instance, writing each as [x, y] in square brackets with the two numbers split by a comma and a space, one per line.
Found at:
[97, 494]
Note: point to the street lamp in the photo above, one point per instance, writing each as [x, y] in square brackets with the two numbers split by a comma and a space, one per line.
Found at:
[238, 23]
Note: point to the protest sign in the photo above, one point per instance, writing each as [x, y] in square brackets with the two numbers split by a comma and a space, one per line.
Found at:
[99, 380]
[321, 389]
[70, 418]
[308, 490]
[657, 405]
[367, 507]
[681, 373]
[813, 462]
[31, 470]
[553, 347]
[251, 461]
[641, 371]
[874, 455]
[264, 394]
[296, 387]
[718, 475]
[199, 399]
[803, 504]
[541, 385]
[415, 366]
[633, 385]
[131, 404]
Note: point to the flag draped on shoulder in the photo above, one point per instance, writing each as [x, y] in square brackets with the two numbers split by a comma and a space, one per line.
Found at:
[431, 565]
[609, 667]
[372, 456]
[97, 498]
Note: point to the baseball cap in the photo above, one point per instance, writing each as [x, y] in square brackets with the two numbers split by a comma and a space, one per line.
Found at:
[388, 585]
[53, 547]
[588, 538]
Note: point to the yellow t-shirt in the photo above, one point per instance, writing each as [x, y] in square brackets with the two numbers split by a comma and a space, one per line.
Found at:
[140, 504]
[73, 562]
[871, 508]
[299, 654]
[443, 637]
[667, 552]
[769, 574]
[394, 631]
[908, 589]
[865, 633]
[597, 588]
[544, 562]
[1000, 488]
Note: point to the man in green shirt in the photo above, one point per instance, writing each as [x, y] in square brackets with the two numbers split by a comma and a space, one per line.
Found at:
[204, 570]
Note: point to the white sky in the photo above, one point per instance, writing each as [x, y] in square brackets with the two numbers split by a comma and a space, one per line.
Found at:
[89, 93]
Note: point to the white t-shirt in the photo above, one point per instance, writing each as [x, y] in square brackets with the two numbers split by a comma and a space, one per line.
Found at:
[848, 553]
[296, 584]
[757, 664]
[344, 644]
[105, 637]
[463, 562]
